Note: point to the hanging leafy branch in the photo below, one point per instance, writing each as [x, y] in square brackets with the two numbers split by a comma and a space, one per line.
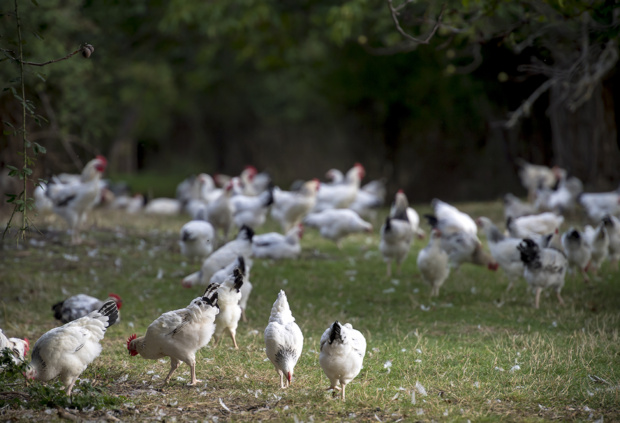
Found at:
[22, 202]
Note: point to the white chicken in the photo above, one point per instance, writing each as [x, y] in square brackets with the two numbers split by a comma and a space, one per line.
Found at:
[228, 298]
[396, 234]
[534, 177]
[222, 257]
[543, 268]
[244, 265]
[341, 195]
[80, 305]
[18, 348]
[72, 201]
[335, 224]
[251, 210]
[598, 239]
[163, 206]
[562, 198]
[67, 350]
[533, 225]
[289, 207]
[578, 251]
[598, 205]
[504, 251]
[459, 236]
[220, 214]
[514, 207]
[283, 340]
[369, 199]
[612, 225]
[179, 334]
[196, 238]
[342, 355]
[277, 246]
[433, 263]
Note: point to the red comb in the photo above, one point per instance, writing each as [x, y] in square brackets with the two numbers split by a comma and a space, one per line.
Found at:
[400, 191]
[103, 159]
[27, 346]
[131, 338]
[119, 301]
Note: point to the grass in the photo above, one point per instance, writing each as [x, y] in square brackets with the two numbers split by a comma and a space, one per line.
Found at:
[461, 347]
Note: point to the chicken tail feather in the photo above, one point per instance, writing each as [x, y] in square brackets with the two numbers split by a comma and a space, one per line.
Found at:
[110, 309]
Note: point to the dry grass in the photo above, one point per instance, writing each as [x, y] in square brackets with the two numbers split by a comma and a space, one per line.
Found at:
[461, 350]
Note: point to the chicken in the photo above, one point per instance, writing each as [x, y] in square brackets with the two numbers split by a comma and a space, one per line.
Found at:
[577, 250]
[18, 348]
[534, 177]
[220, 214]
[533, 225]
[342, 355]
[283, 340]
[67, 350]
[514, 207]
[562, 198]
[277, 246]
[335, 224]
[612, 225]
[598, 239]
[196, 239]
[72, 201]
[179, 334]
[396, 234]
[504, 251]
[80, 305]
[369, 199]
[251, 210]
[340, 195]
[433, 263]
[244, 265]
[228, 298]
[163, 206]
[598, 205]
[459, 236]
[543, 268]
[241, 246]
[289, 207]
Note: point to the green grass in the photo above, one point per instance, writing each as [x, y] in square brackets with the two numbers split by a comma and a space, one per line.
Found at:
[455, 349]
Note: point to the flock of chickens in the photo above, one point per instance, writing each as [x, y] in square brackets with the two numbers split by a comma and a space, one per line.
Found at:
[530, 248]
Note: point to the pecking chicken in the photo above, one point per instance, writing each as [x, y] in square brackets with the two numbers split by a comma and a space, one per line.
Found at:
[290, 207]
[73, 200]
[543, 268]
[578, 251]
[18, 347]
[335, 224]
[340, 195]
[228, 298]
[598, 239]
[277, 246]
[251, 210]
[433, 263]
[396, 234]
[80, 305]
[196, 239]
[504, 251]
[179, 334]
[283, 340]
[67, 350]
[342, 355]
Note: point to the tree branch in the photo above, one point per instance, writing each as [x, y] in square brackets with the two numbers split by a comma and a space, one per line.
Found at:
[85, 49]
[395, 10]
[524, 109]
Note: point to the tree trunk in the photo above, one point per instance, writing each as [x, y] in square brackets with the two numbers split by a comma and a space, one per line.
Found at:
[585, 142]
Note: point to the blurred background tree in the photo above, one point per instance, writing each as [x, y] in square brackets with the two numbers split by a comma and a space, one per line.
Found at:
[298, 87]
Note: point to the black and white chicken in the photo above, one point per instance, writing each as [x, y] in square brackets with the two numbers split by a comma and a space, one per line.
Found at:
[80, 305]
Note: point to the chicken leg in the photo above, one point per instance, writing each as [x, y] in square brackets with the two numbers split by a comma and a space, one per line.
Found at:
[174, 363]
